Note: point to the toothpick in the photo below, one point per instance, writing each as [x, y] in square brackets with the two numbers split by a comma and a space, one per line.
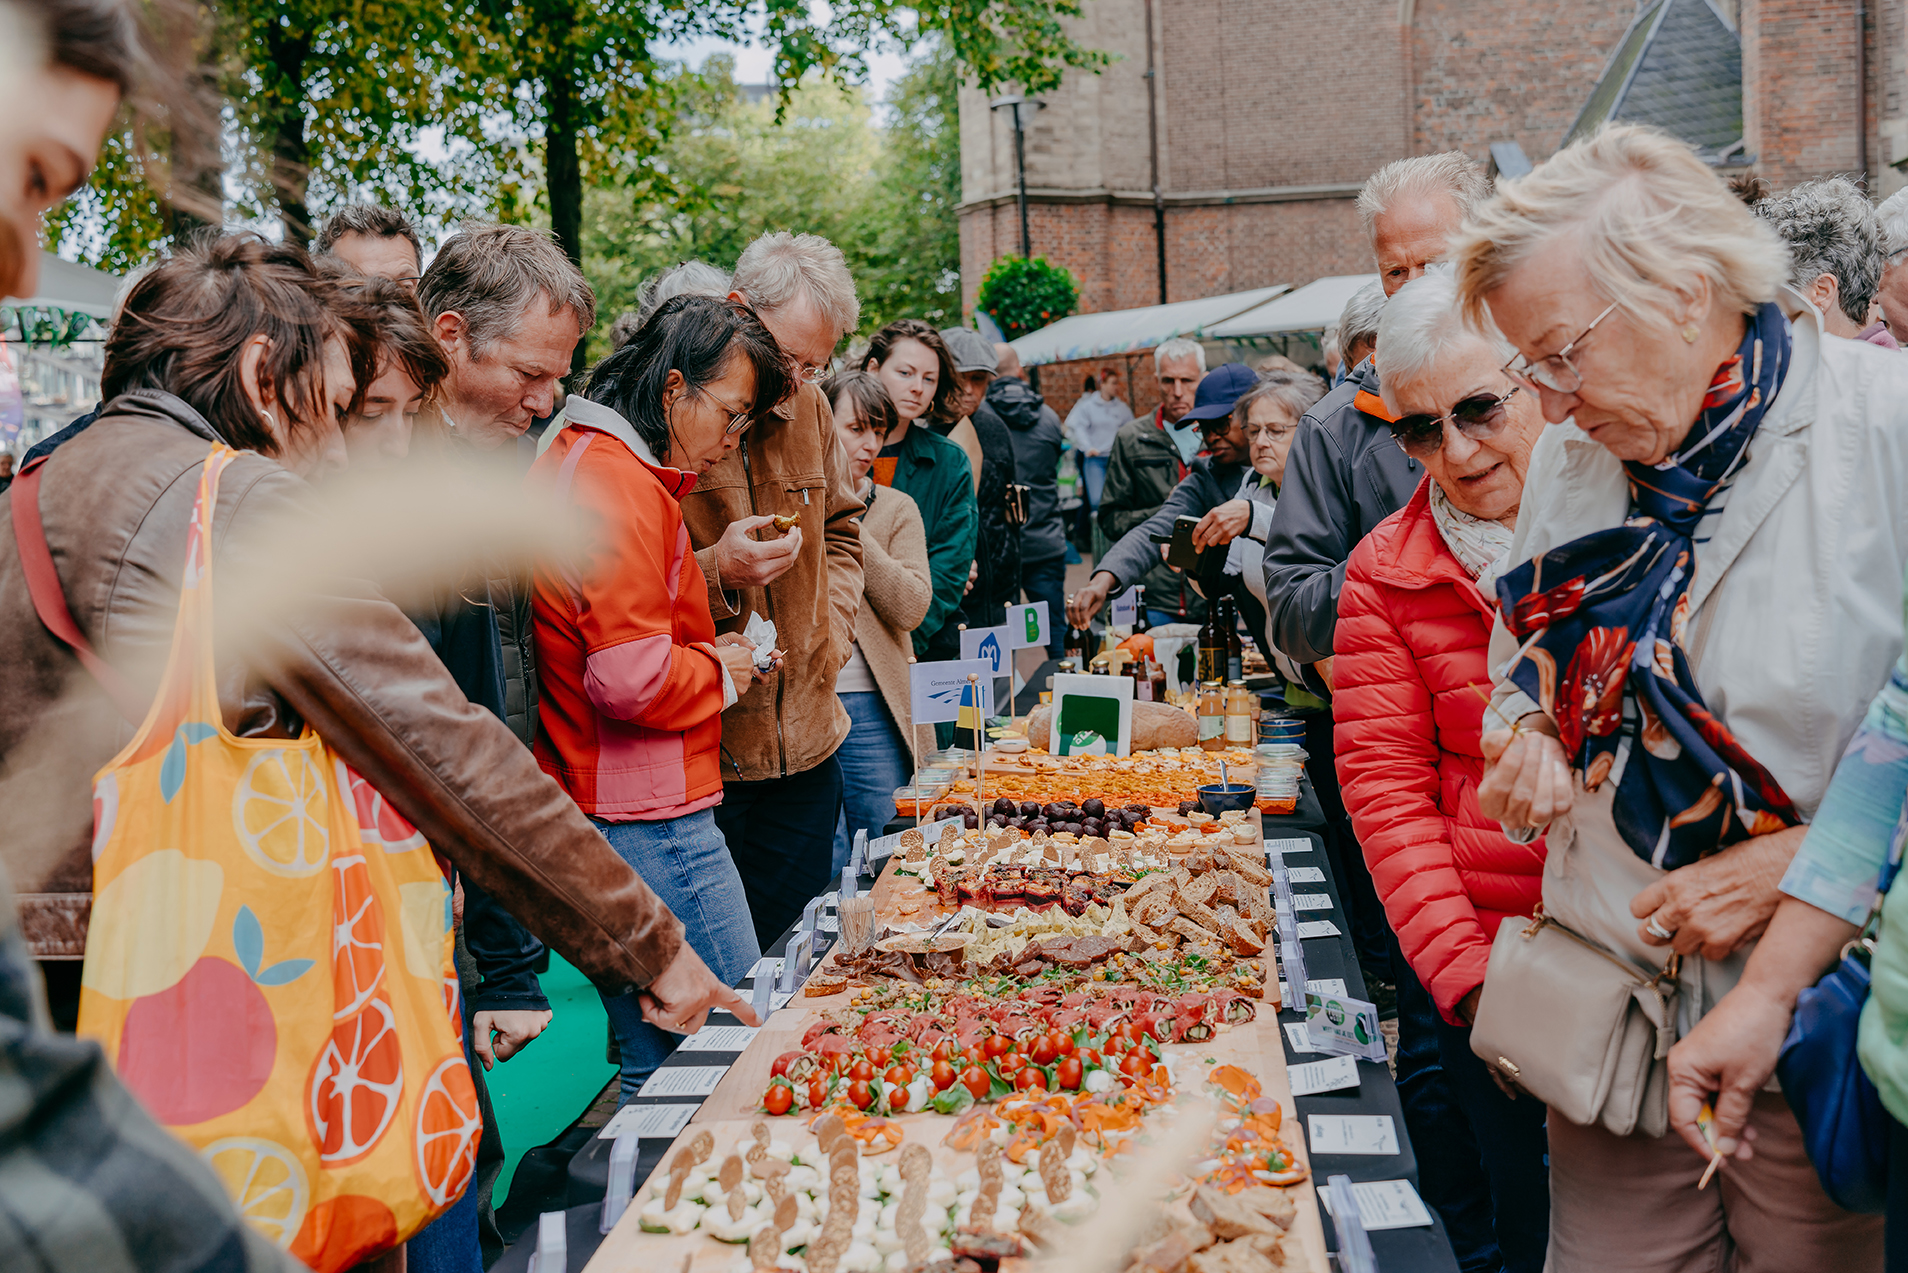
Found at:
[1709, 1171]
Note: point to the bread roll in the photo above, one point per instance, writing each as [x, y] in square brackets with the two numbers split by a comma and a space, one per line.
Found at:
[1154, 725]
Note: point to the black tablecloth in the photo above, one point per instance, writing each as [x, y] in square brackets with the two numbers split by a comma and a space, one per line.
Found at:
[1419, 1250]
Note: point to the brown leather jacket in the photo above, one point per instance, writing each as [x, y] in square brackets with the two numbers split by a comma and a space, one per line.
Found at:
[788, 462]
[116, 502]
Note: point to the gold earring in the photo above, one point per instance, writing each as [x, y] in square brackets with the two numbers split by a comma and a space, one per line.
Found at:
[1691, 332]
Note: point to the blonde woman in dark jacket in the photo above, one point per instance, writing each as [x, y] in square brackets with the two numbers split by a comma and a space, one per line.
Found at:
[897, 589]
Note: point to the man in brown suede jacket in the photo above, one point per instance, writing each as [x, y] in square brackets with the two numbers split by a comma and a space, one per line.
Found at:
[782, 788]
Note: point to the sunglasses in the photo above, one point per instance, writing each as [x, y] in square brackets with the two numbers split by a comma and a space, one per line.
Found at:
[1478, 418]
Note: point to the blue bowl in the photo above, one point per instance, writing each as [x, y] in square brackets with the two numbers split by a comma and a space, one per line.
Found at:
[1216, 798]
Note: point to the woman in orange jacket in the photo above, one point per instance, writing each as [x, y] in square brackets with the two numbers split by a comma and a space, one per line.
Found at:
[634, 677]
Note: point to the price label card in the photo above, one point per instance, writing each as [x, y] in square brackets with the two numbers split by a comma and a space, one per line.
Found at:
[1329, 1075]
[1318, 928]
[1286, 846]
[1306, 875]
[1349, 1133]
[1311, 901]
[718, 1038]
[683, 1080]
[662, 1122]
[1384, 1204]
[1327, 986]
[1296, 1035]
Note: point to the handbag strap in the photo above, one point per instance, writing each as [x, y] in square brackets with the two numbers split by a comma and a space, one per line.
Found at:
[49, 598]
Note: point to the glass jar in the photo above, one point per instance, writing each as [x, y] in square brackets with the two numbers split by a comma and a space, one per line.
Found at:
[1239, 704]
[1212, 716]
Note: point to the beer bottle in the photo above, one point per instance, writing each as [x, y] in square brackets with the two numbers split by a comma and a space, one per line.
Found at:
[1212, 647]
[1140, 623]
[1078, 641]
[1235, 648]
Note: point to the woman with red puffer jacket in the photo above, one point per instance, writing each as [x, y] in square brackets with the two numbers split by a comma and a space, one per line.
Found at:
[1410, 687]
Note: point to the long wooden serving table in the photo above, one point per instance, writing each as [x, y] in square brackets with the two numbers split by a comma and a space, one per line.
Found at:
[731, 1108]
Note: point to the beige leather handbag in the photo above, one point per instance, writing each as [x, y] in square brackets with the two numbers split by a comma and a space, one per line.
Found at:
[1578, 1027]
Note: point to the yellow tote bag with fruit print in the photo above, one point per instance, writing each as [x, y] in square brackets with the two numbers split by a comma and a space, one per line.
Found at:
[269, 964]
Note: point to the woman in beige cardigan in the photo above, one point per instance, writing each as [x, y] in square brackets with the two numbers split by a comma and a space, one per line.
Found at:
[897, 589]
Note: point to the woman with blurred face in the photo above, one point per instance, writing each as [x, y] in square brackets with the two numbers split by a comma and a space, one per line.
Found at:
[1267, 416]
[911, 361]
[1703, 596]
[1414, 627]
[896, 591]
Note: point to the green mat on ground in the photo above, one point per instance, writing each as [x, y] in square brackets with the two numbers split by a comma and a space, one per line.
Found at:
[542, 1089]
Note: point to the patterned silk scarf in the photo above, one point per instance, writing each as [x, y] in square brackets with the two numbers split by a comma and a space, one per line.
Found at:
[1615, 623]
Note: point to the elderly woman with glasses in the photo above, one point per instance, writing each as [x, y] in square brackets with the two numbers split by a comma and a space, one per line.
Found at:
[1705, 592]
[1414, 623]
[634, 677]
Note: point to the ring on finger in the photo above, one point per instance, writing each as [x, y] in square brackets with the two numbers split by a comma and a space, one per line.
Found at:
[1657, 931]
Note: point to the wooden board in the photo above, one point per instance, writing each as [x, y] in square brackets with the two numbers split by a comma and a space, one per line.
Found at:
[1255, 1047]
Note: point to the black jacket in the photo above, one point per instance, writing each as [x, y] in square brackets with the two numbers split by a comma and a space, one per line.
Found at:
[1141, 472]
[1038, 441]
[1343, 477]
[1207, 486]
[997, 551]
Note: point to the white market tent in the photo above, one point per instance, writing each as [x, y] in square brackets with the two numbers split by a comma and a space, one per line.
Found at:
[1123, 330]
[75, 288]
[1311, 308]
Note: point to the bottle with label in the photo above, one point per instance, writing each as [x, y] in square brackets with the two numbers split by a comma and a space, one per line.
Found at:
[1239, 704]
[1235, 648]
[1212, 715]
[1142, 684]
[1078, 641]
[1140, 623]
[1156, 679]
[1212, 648]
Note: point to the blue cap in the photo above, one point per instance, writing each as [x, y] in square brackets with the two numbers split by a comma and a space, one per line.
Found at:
[1220, 390]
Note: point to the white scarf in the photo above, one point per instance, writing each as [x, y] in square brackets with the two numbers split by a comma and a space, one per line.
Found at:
[1481, 547]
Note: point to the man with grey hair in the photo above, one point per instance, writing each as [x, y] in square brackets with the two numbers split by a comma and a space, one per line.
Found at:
[373, 239]
[1358, 323]
[782, 783]
[509, 308]
[1835, 257]
[1151, 456]
[1891, 219]
[1343, 477]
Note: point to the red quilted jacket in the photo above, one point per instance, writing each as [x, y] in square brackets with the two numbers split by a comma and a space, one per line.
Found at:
[1410, 684]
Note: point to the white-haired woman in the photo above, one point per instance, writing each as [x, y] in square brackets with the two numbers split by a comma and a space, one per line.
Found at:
[1718, 532]
[1414, 624]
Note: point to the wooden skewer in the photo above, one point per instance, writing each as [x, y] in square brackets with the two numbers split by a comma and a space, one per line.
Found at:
[1710, 1170]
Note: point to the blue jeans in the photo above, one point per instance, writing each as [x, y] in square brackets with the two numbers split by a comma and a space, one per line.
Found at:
[781, 835]
[1093, 469]
[874, 761]
[1450, 1170]
[1047, 581]
[449, 1243]
[1510, 1136]
[686, 861]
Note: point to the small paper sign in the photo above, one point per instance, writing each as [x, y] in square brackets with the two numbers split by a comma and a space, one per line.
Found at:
[718, 1038]
[1028, 625]
[940, 692]
[1311, 901]
[1351, 1134]
[660, 1122]
[1287, 846]
[1125, 607]
[1296, 1036]
[1306, 875]
[1343, 1026]
[1329, 1075]
[992, 646]
[683, 1080]
[1384, 1204]
[1318, 928]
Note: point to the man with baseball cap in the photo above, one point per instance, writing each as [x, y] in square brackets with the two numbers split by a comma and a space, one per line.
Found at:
[995, 580]
[1211, 483]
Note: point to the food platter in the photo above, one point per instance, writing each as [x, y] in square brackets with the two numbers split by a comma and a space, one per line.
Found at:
[1216, 1036]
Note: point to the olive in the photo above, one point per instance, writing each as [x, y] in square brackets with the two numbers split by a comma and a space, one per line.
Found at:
[1187, 806]
[1093, 826]
[1004, 806]
[1054, 812]
[1036, 824]
[997, 821]
[1073, 827]
[1029, 809]
[1141, 809]
[1094, 807]
[970, 820]
[1017, 823]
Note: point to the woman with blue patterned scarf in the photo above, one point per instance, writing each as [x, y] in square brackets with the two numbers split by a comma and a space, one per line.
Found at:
[1704, 593]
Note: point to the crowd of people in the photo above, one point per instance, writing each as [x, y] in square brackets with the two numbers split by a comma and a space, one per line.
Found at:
[1582, 563]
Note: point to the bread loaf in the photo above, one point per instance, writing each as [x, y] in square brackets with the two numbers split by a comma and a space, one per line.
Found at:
[1154, 725]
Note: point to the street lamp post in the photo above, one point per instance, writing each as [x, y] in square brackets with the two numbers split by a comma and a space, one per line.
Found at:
[1033, 105]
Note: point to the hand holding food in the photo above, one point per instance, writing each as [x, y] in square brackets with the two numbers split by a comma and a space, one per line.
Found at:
[742, 561]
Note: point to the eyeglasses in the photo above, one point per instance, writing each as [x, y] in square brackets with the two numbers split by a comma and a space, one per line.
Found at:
[738, 420]
[1555, 373]
[809, 374]
[1478, 418]
[1270, 433]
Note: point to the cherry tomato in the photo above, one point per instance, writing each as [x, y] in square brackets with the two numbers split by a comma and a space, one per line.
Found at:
[997, 1045]
[975, 1080]
[1136, 1064]
[898, 1076]
[1011, 1064]
[861, 1071]
[1069, 1073]
[1090, 1057]
[860, 1094]
[944, 1052]
[817, 1093]
[1117, 1045]
[1063, 1043]
[899, 1051]
[942, 1075]
[1030, 1078]
[779, 1099]
[1042, 1051]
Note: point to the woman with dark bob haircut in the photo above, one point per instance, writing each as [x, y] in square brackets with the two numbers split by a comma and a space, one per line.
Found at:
[235, 341]
[634, 677]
